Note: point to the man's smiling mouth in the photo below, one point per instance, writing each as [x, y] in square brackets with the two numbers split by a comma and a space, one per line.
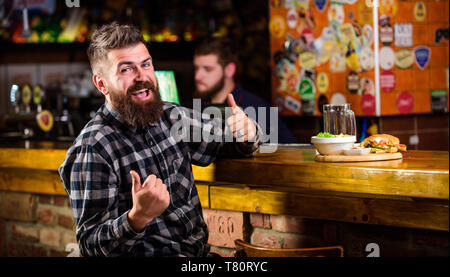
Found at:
[138, 92]
[141, 94]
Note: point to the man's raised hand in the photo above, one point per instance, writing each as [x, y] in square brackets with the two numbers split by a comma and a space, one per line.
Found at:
[150, 200]
[241, 126]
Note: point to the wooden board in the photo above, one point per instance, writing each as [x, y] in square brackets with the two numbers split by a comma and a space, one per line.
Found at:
[359, 158]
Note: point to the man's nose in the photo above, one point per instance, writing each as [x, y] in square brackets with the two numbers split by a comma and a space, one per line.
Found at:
[140, 76]
[198, 75]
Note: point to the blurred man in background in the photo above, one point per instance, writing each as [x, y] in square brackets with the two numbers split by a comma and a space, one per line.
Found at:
[216, 66]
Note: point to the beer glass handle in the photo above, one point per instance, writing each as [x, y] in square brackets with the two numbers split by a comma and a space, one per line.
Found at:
[351, 122]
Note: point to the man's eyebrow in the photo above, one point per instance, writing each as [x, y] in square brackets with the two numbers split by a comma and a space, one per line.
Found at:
[128, 62]
[146, 60]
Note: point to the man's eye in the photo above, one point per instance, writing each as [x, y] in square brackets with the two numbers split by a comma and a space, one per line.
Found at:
[146, 65]
[125, 70]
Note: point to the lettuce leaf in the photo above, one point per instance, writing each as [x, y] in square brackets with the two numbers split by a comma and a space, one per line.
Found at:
[325, 135]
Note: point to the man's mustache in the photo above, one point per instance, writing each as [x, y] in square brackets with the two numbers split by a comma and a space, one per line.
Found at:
[142, 85]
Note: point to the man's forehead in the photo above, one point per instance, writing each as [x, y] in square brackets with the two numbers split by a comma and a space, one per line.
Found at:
[209, 59]
[135, 54]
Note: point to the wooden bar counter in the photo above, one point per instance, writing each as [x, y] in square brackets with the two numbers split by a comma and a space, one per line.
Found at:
[411, 192]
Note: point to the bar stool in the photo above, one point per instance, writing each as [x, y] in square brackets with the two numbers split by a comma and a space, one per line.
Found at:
[244, 249]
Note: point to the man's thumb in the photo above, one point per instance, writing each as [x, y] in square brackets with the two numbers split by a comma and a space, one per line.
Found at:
[230, 101]
[136, 181]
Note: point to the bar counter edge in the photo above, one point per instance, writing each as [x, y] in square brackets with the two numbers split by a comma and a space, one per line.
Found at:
[412, 192]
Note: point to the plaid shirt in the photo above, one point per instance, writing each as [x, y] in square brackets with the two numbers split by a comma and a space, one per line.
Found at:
[96, 177]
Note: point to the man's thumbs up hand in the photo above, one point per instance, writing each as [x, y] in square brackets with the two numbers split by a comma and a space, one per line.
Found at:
[241, 126]
[150, 200]
[231, 103]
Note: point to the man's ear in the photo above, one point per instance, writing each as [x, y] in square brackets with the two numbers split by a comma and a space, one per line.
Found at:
[230, 70]
[100, 83]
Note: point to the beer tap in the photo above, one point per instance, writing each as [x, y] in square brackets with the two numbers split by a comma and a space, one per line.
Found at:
[37, 98]
[15, 97]
[26, 98]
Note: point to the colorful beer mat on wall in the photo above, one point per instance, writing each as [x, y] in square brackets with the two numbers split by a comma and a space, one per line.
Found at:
[386, 34]
[420, 11]
[405, 102]
[353, 82]
[338, 98]
[366, 86]
[367, 34]
[403, 35]
[388, 7]
[307, 38]
[322, 82]
[283, 70]
[422, 55]
[336, 13]
[337, 62]
[307, 73]
[404, 58]
[352, 61]
[387, 81]
[45, 120]
[351, 15]
[366, 59]
[346, 33]
[441, 34]
[307, 60]
[308, 106]
[292, 18]
[439, 101]
[292, 104]
[307, 89]
[364, 13]
[291, 82]
[320, 4]
[368, 105]
[387, 58]
[277, 26]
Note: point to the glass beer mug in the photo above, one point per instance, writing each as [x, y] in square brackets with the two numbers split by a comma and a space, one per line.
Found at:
[339, 119]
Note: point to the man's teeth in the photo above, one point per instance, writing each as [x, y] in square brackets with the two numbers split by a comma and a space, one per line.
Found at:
[139, 91]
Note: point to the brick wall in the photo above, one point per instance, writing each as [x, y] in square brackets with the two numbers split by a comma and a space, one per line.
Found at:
[35, 225]
[419, 132]
[279, 231]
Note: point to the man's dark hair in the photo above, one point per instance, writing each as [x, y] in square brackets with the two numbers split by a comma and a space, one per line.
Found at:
[111, 36]
[222, 47]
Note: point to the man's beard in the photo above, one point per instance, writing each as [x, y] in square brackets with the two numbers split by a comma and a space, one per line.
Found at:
[208, 94]
[138, 114]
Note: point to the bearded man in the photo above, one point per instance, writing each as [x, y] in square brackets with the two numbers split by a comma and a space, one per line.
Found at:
[129, 181]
